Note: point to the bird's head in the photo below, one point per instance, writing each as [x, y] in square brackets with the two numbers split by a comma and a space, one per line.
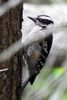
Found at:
[43, 21]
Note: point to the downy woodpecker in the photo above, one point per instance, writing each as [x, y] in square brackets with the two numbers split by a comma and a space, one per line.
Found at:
[36, 53]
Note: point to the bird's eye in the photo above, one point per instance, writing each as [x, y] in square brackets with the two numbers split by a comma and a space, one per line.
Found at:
[40, 20]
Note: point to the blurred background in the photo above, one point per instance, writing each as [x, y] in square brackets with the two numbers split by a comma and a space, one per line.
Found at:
[45, 1]
[51, 83]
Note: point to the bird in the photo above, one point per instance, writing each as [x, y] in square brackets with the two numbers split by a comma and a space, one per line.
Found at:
[36, 53]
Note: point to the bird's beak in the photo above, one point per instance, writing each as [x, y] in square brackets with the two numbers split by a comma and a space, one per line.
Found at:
[33, 19]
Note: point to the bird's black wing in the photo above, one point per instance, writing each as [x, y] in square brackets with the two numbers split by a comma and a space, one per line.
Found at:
[45, 49]
[49, 40]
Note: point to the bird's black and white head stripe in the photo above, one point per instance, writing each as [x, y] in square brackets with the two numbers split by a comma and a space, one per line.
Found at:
[42, 20]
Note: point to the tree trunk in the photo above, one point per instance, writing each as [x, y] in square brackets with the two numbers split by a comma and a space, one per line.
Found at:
[10, 80]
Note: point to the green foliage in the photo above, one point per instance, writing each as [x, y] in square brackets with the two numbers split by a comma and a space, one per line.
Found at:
[64, 97]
